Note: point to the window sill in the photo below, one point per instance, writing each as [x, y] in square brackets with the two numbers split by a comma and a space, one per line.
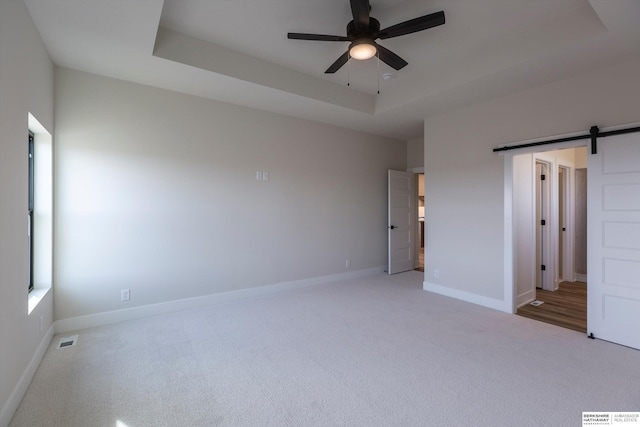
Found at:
[35, 296]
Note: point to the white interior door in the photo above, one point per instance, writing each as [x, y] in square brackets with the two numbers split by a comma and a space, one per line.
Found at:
[613, 240]
[544, 267]
[539, 229]
[400, 225]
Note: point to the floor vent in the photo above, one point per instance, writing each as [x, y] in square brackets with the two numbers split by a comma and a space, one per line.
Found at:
[536, 303]
[68, 341]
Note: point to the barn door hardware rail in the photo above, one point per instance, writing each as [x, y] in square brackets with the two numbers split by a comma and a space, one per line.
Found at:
[593, 135]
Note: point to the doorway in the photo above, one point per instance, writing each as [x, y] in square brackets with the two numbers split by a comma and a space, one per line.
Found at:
[544, 226]
[613, 210]
[401, 222]
[565, 307]
[563, 172]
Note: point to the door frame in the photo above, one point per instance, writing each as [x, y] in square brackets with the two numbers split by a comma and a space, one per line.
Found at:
[569, 209]
[509, 302]
[552, 234]
[416, 172]
[510, 293]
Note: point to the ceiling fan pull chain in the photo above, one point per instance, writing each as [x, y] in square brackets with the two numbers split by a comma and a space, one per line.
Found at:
[348, 69]
[378, 55]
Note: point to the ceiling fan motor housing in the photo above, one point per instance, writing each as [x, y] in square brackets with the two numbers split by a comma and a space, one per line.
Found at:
[371, 32]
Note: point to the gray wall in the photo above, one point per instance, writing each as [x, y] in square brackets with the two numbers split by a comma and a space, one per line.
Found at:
[26, 85]
[156, 192]
[415, 153]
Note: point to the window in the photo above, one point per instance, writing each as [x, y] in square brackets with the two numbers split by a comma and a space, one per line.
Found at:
[30, 208]
[39, 168]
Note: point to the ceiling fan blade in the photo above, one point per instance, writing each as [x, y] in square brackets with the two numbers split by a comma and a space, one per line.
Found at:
[360, 10]
[413, 25]
[338, 64]
[390, 58]
[319, 37]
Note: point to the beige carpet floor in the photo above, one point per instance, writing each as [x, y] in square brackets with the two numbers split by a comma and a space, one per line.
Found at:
[378, 351]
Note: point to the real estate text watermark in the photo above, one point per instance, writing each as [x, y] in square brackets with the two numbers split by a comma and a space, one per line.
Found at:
[627, 419]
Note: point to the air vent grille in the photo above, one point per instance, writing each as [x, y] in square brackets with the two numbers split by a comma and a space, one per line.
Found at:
[67, 341]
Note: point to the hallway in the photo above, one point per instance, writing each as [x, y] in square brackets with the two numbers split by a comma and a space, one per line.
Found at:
[566, 307]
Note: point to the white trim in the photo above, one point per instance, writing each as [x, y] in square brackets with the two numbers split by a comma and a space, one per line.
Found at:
[526, 298]
[509, 239]
[110, 317]
[417, 172]
[35, 296]
[43, 220]
[580, 278]
[20, 389]
[466, 296]
[416, 219]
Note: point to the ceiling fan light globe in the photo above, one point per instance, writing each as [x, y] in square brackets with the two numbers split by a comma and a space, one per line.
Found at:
[362, 50]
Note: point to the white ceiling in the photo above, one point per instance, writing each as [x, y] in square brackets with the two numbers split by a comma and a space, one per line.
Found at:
[237, 51]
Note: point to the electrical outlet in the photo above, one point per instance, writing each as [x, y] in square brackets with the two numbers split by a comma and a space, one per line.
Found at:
[124, 295]
[258, 176]
[436, 273]
[265, 176]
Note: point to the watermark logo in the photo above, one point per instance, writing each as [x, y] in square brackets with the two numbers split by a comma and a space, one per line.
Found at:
[626, 419]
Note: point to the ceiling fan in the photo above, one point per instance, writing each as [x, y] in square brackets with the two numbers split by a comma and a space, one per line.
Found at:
[364, 30]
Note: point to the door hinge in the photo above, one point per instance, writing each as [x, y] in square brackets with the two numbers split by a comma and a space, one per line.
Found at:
[543, 222]
[543, 267]
[543, 177]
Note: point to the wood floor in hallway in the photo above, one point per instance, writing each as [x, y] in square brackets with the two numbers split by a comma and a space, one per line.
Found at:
[566, 307]
[421, 258]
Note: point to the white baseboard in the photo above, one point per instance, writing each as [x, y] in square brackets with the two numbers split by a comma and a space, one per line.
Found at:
[110, 317]
[525, 298]
[25, 379]
[581, 278]
[468, 297]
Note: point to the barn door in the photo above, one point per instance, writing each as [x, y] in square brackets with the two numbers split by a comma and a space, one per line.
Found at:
[614, 240]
